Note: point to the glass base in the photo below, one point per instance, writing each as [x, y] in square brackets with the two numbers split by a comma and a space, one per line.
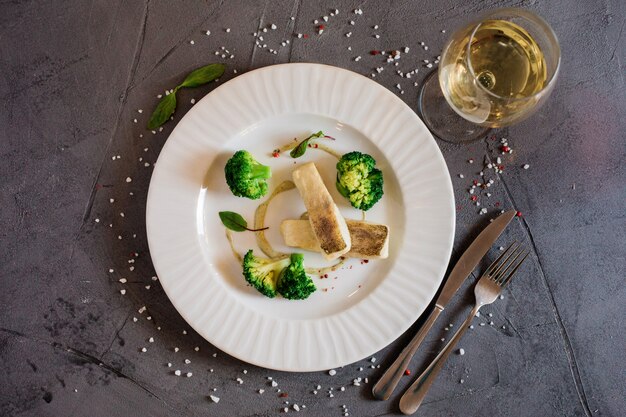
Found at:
[441, 120]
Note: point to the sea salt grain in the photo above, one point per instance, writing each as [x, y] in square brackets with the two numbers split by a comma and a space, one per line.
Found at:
[332, 372]
[461, 351]
[214, 398]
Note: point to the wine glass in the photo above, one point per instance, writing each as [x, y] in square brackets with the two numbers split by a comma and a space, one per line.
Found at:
[493, 72]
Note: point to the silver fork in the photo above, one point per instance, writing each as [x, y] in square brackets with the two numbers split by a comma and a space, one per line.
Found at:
[487, 290]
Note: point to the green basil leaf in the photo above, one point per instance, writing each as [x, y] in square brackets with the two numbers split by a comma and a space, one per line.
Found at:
[233, 221]
[203, 75]
[163, 111]
[299, 150]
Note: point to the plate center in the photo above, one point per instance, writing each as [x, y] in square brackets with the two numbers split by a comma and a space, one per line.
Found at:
[341, 289]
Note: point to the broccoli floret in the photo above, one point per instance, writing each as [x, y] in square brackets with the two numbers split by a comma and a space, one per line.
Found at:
[263, 273]
[245, 176]
[359, 180]
[293, 282]
[285, 276]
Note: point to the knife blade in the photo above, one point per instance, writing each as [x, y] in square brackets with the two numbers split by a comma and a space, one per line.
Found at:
[462, 269]
[472, 256]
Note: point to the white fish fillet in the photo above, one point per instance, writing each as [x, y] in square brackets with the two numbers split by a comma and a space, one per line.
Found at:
[369, 240]
[328, 225]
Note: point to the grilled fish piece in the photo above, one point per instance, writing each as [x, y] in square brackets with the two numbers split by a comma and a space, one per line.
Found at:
[328, 225]
[369, 240]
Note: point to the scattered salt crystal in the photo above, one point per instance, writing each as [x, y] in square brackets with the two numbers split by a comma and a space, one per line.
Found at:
[332, 372]
[122, 292]
[526, 166]
[273, 26]
[461, 351]
[214, 398]
[274, 384]
[189, 374]
[177, 372]
[208, 32]
[295, 407]
[227, 30]
[151, 340]
[192, 42]
[128, 179]
[187, 361]
[261, 391]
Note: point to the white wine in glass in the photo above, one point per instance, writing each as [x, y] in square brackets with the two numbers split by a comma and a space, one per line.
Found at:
[493, 72]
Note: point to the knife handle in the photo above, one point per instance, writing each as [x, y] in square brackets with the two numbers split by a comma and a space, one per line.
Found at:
[413, 397]
[388, 382]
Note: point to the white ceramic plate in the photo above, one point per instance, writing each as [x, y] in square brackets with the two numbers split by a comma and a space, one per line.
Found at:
[365, 306]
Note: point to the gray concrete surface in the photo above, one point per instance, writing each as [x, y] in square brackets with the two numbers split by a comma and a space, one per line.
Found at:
[73, 75]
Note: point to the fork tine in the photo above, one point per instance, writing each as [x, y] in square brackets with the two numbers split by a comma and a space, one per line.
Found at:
[507, 279]
[499, 275]
[499, 263]
[490, 270]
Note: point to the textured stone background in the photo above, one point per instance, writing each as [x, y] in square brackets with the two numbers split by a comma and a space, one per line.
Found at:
[74, 73]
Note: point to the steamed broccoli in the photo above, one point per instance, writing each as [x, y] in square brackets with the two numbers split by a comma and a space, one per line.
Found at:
[293, 282]
[245, 176]
[359, 180]
[263, 273]
[285, 276]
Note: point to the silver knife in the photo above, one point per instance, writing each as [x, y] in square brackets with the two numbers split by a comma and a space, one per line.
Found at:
[463, 268]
